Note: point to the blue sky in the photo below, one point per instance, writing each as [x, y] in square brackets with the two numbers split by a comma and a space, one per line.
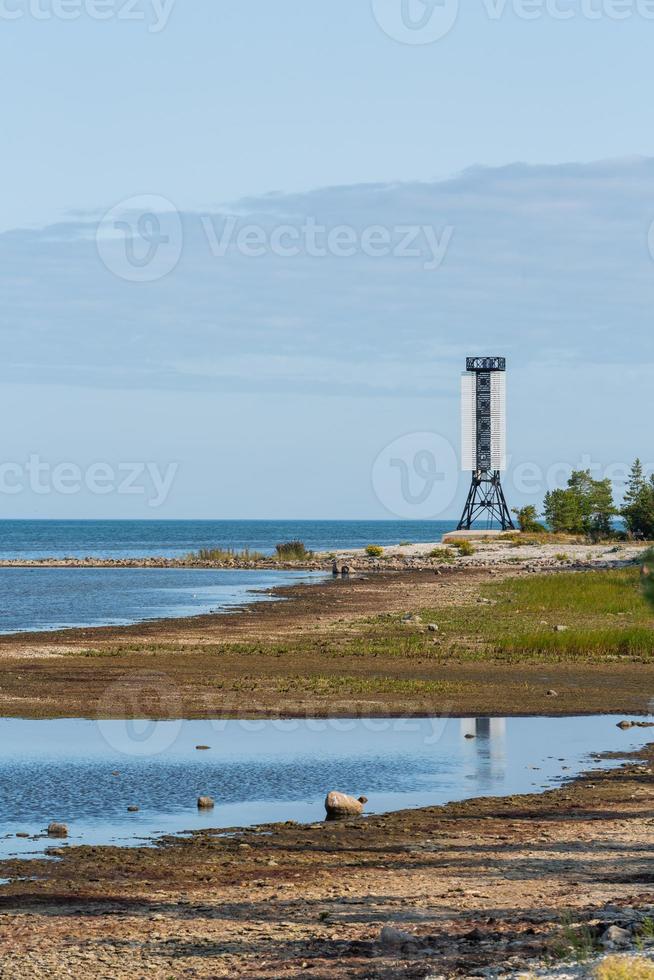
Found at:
[519, 154]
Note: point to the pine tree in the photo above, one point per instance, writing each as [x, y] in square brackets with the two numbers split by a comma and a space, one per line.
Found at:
[638, 509]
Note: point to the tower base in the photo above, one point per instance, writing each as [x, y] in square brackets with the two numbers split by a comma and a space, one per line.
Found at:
[486, 500]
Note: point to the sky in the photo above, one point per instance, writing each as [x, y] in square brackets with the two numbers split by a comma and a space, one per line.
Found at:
[245, 249]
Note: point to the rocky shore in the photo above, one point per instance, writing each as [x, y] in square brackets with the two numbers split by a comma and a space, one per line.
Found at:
[538, 885]
[492, 551]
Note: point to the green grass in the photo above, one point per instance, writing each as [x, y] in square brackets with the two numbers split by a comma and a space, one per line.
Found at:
[605, 614]
[445, 555]
[225, 556]
[292, 551]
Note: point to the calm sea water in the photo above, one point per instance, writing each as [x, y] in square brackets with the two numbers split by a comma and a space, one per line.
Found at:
[57, 598]
[135, 539]
[271, 771]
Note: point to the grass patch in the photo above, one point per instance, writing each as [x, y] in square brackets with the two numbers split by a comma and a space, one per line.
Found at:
[292, 551]
[624, 968]
[445, 555]
[226, 556]
[636, 643]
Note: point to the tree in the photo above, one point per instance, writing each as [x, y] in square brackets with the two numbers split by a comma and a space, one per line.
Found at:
[638, 509]
[585, 507]
[528, 519]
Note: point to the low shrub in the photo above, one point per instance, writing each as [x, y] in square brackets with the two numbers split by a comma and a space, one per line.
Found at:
[465, 548]
[442, 555]
[292, 551]
[374, 551]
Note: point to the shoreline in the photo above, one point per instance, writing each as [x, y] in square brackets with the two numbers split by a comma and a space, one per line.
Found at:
[340, 647]
[491, 883]
[491, 550]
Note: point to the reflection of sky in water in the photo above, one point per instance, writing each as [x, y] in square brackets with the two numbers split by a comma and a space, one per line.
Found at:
[265, 771]
[55, 598]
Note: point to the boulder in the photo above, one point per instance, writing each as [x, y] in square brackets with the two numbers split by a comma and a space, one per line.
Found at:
[341, 805]
[624, 725]
[57, 830]
[205, 803]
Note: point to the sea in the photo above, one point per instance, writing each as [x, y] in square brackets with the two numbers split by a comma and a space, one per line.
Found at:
[173, 539]
[46, 599]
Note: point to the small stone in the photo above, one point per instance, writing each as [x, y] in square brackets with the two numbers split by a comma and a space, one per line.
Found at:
[57, 830]
[552, 694]
[133, 809]
[615, 936]
[205, 803]
[560, 629]
[202, 748]
[624, 725]
[390, 936]
[22, 833]
[433, 627]
[469, 735]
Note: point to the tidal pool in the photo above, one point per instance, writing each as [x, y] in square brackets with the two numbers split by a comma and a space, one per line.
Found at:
[86, 773]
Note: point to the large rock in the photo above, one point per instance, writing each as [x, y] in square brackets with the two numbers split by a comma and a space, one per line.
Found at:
[340, 805]
[205, 803]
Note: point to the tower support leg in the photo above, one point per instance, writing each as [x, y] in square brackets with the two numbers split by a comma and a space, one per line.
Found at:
[486, 501]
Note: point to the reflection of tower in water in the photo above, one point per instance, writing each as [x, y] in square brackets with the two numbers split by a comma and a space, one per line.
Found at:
[489, 746]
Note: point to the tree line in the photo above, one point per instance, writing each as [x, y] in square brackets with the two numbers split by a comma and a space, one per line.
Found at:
[586, 506]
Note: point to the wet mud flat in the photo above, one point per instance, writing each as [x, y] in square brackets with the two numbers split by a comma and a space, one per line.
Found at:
[339, 649]
[448, 891]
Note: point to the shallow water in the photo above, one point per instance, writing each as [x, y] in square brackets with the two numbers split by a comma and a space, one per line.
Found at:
[63, 770]
[56, 598]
